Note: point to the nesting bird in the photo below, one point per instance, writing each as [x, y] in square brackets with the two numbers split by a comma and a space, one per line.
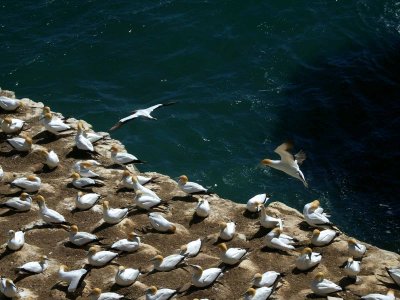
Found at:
[16, 240]
[113, 215]
[28, 184]
[34, 267]
[203, 278]
[87, 201]
[145, 201]
[276, 240]
[48, 215]
[308, 259]
[192, 248]
[388, 296]
[53, 124]
[159, 223]
[356, 250]
[8, 288]
[73, 277]
[10, 104]
[323, 287]
[22, 143]
[227, 231]
[152, 293]
[314, 215]
[21, 203]
[352, 268]
[99, 258]
[323, 237]
[51, 157]
[254, 204]
[232, 256]
[123, 158]
[11, 125]
[131, 244]
[261, 293]
[80, 238]
[269, 222]
[139, 187]
[190, 187]
[202, 208]
[82, 168]
[267, 279]
[84, 182]
[165, 264]
[97, 294]
[81, 142]
[394, 273]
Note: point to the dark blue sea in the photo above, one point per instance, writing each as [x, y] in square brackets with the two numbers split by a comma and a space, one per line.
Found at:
[248, 76]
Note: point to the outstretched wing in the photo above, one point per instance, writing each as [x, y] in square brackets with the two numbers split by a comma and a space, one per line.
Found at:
[283, 151]
[124, 120]
[151, 108]
[300, 157]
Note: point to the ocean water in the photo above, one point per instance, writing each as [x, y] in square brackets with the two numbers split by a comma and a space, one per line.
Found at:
[248, 75]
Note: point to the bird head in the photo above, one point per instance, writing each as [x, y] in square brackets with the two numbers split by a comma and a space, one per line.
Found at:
[43, 258]
[46, 109]
[266, 162]
[222, 247]
[350, 260]
[151, 290]
[173, 228]
[92, 250]
[319, 276]
[222, 225]
[95, 292]
[157, 258]
[183, 248]
[27, 138]
[8, 120]
[9, 282]
[11, 233]
[63, 268]
[315, 203]
[106, 204]
[86, 164]
[390, 292]
[316, 232]
[307, 251]
[197, 269]
[24, 196]
[132, 235]
[80, 194]
[21, 104]
[75, 176]
[74, 228]
[277, 231]
[121, 268]
[114, 148]
[353, 242]
[40, 200]
[31, 178]
[126, 173]
[183, 179]
[257, 276]
[48, 116]
[250, 292]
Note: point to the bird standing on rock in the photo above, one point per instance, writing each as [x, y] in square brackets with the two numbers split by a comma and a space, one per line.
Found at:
[190, 187]
[73, 277]
[48, 215]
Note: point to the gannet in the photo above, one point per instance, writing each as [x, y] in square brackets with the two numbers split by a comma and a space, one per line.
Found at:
[10, 104]
[77, 166]
[97, 294]
[308, 259]
[288, 163]
[86, 201]
[123, 158]
[267, 279]
[352, 268]
[228, 231]
[314, 216]
[8, 288]
[11, 125]
[202, 208]
[145, 201]
[16, 240]
[80, 238]
[394, 273]
[145, 112]
[51, 157]
[81, 142]
[21, 203]
[192, 248]
[54, 124]
[1, 173]
[48, 215]
[127, 181]
[269, 222]
[84, 182]
[274, 240]
[165, 264]
[231, 256]
[138, 187]
[322, 238]
[152, 293]
[190, 187]
[388, 296]
[93, 137]
[161, 224]
[113, 215]
[203, 278]
[261, 293]
[254, 204]
[29, 184]
[126, 277]
[323, 287]
[34, 267]
[22, 143]
[131, 244]
[356, 249]
[83, 169]
[73, 277]
[99, 258]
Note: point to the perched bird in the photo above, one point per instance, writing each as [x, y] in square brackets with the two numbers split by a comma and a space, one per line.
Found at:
[11, 125]
[51, 157]
[159, 223]
[73, 277]
[131, 244]
[8, 287]
[322, 238]
[22, 143]
[231, 256]
[113, 215]
[94, 137]
[254, 204]
[54, 124]
[308, 259]
[388, 296]
[81, 142]
[274, 240]
[267, 279]
[97, 294]
[202, 208]
[261, 293]
[227, 231]
[34, 267]
[203, 278]
[127, 181]
[152, 293]
[288, 163]
[269, 222]
[80, 183]
[77, 166]
[99, 258]
[29, 184]
[165, 264]
[192, 248]
[145, 201]
[323, 287]
[145, 191]
[190, 187]
[145, 112]
[123, 158]
[394, 273]
[10, 104]
[126, 277]
[313, 216]
[84, 202]
[80, 238]
[16, 240]
[48, 215]
[356, 250]
[82, 168]
[21, 203]
[352, 268]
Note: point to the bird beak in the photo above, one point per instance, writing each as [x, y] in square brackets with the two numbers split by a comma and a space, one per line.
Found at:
[357, 247]
[65, 227]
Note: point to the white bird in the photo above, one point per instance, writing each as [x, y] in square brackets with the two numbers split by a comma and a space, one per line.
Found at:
[97, 294]
[388, 296]
[29, 184]
[113, 215]
[22, 143]
[99, 258]
[123, 158]
[288, 163]
[228, 231]
[269, 222]
[308, 259]
[127, 181]
[254, 204]
[192, 248]
[10, 104]
[16, 240]
[126, 277]
[261, 293]
[21, 203]
[84, 202]
[84, 182]
[165, 264]
[276, 240]
[152, 293]
[131, 244]
[54, 124]
[356, 249]
[73, 277]
[77, 166]
[34, 267]
[190, 187]
[203, 278]
[394, 273]
[159, 223]
[145, 112]
[51, 157]
[11, 125]
[138, 187]
[314, 217]
[82, 168]
[352, 268]
[1, 173]
[231, 256]
[145, 201]
[81, 142]
[8, 288]
[93, 137]
[267, 279]
[48, 215]
[202, 208]
[80, 238]
[323, 287]
[322, 238]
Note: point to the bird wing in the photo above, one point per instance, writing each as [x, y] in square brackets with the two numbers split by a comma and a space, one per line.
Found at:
[32, 267]
[282, 150]
[134, 115]
[53, 215]
[300, 157]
